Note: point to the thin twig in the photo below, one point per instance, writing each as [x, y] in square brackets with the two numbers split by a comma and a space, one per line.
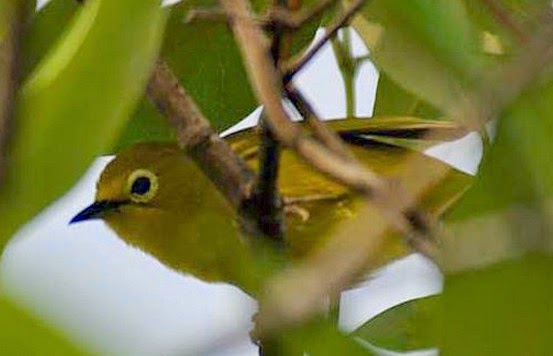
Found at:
[321, 132]
[195, 135]
[331, 32]
[9, 74]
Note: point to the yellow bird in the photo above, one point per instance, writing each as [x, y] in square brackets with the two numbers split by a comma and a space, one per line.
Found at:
[156, 199]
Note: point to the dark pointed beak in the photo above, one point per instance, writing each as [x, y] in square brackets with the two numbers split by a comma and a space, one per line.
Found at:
[96, 210]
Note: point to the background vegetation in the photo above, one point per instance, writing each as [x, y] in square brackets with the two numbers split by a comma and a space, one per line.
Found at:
[72, 84]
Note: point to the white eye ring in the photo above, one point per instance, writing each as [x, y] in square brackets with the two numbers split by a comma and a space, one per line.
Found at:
[142, 185]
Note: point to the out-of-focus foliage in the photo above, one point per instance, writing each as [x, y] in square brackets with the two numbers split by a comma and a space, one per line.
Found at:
[84, 71]
[44, 29]
[518, 169]
[429, 48]
[205, 58]
[79, 94]
[412, 325]
[508, 210]
[522, 14]
[5, 12]
[502, 309]
[318, 337]
[498, 246]
[20, 334]
[391, 99]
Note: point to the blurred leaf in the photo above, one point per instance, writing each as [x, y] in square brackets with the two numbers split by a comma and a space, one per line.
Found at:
[508, 210]
[513, 21]
[77, 100]
[146, 124]
[503, 309]
[5, 14]
[429, 48]
[391, 99]
[318, 337]
[204, 56]
[207, 62]
[21, 334]
[412, 325]
[518, 169]
[45, 28]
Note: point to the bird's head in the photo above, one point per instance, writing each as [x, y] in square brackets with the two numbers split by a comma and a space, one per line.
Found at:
[158, 200]
[147, 193]
[142, 178]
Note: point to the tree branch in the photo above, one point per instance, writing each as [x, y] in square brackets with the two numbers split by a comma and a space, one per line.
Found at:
[195, 135]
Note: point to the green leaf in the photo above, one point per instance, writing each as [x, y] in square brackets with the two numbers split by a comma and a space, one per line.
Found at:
[207, 62]
[318, 337]
[518, 169]
[503, 309]
[508, 210]
[46, 27]
[204, 57]
[21, 334]
[75, 103]
[430, 48]
[146, 124]
[393, 100]
[513, 21]
[412, 325]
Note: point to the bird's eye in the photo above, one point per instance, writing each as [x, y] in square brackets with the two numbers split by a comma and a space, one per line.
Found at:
[142, 185]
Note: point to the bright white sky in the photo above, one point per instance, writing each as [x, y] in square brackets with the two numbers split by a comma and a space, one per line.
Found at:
[118, 300]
